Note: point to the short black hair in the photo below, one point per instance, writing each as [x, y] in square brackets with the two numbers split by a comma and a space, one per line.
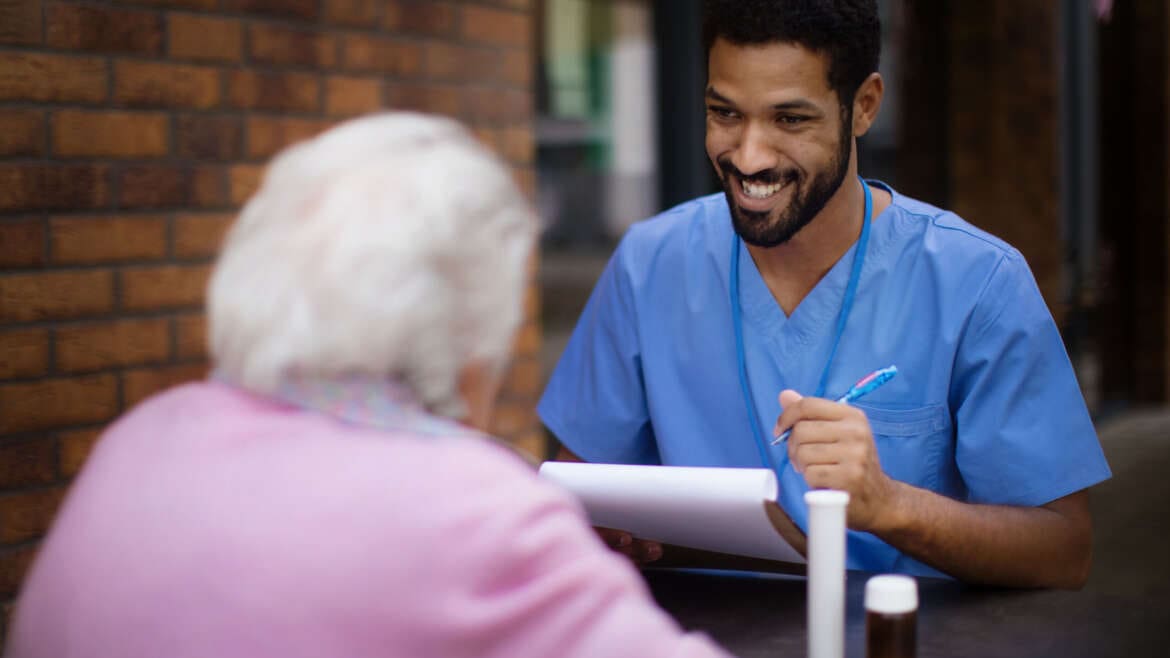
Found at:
[847, 31]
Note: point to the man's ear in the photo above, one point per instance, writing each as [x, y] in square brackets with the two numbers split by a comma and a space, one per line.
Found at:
[866, 103]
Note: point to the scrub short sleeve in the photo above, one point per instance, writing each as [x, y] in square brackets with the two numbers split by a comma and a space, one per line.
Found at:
[1024, 436]
[595, 402]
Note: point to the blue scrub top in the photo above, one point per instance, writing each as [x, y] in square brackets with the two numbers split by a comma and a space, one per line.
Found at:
[985, 407]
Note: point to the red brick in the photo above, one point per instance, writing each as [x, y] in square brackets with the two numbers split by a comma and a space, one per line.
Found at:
[356, 13]
[421, 17]
[155, 186]
[276, 44]
[517, 145]
[445, 61]
[24, 353]
[14, 563]
[27, 515]
[209, 187]
[526, 180]
[302, 9]
[92, 133]
[267, 135]
[55, 296]
[104, 29]
[425, 98]
[166, 85]
[22, 132]
[209, 137]
[163, 287]
[107, 239]
[516, 68]
[52, 78]
[191, 336]
[345, 96]
[20, 22]
[490, 104]
[178, 4]
[194, 36]
[22, 243]
[295, 92]
[27, 462]
[366, 53]
[137, 385]
[75, 447]
[492, 138]
[243, 181]
[199, 235]
[498, 27]
[54, 403]
[102, 345]
[39, 187]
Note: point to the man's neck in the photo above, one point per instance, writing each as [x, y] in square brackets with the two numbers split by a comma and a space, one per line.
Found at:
[793, 269]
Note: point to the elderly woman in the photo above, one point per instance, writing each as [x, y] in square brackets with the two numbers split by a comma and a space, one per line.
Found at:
[325, 493]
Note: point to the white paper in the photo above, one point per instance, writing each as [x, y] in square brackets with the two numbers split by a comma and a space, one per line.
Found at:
[713, 509]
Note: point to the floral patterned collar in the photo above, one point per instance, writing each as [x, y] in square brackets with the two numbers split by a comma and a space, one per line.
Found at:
[363, 400]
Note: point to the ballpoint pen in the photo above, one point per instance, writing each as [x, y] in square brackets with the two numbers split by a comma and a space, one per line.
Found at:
[864, 386]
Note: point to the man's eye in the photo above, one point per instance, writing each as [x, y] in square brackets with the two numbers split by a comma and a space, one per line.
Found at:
[722, 112]
[791, 120]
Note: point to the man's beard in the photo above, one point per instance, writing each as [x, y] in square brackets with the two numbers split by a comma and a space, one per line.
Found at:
[760, 229]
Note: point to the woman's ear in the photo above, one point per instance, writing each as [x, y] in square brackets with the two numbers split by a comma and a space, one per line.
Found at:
[866, 103]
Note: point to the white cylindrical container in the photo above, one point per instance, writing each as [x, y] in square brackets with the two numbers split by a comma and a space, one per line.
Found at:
[826, 572]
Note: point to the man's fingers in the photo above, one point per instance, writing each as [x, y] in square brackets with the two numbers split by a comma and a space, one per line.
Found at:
[640, 551]
[804, 455]
[801, 409]
[817, 431]
[614, 538]
[649, 551]
[824, 476]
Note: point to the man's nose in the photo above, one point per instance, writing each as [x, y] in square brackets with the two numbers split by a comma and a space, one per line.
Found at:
[754, 153]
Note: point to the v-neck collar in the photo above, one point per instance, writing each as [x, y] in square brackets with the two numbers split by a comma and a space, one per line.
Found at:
[815, 314]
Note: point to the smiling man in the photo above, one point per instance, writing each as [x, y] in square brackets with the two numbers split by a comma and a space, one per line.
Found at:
[729, 319]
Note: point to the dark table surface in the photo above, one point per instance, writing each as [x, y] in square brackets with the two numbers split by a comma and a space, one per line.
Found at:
[764, 615]
[1124, 610]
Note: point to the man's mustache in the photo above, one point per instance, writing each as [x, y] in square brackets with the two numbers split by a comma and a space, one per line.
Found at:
[766, 177]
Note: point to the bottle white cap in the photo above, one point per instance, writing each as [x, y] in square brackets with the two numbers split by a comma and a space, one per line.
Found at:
[891, 595]
[826, 498]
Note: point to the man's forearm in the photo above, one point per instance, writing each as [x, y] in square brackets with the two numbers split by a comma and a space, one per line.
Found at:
[1048, 546]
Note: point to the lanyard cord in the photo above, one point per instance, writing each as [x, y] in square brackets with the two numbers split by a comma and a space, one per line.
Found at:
[842, 319]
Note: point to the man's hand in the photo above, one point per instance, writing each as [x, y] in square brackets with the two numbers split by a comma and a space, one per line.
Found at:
[832, 446]
[640, 551]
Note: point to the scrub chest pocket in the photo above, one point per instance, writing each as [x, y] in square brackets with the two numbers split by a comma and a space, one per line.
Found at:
[913, 444]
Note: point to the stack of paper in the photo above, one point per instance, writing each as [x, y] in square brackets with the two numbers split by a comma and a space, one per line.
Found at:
[724, 510]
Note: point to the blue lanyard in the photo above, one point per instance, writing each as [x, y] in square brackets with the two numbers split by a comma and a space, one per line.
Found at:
[842, 318]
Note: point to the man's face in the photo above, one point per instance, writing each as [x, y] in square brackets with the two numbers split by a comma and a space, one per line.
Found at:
[777, 136]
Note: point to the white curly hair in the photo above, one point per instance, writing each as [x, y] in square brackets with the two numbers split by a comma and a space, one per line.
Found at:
[392, 245]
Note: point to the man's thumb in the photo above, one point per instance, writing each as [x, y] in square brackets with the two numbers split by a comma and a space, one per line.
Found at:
[789, 397]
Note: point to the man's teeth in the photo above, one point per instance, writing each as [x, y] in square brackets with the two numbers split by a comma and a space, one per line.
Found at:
[759, 191]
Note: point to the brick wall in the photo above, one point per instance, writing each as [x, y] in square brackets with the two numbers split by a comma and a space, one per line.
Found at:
[131, 131]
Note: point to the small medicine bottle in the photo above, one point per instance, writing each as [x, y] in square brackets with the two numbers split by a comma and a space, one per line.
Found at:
[891, 611]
